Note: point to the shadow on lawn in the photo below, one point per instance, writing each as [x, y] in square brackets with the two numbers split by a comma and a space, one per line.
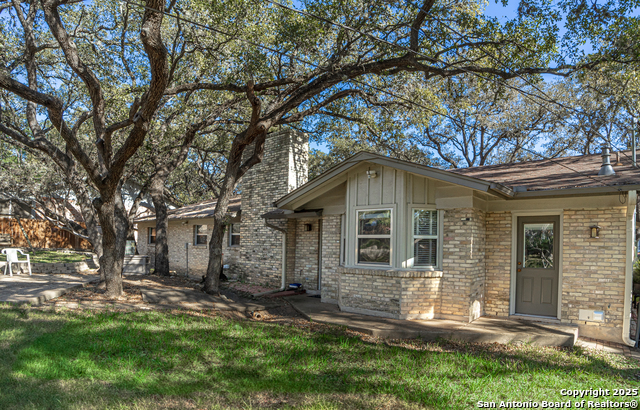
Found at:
[166, 354]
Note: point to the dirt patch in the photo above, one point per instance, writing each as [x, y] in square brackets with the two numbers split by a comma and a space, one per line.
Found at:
[132, 286]
[245, 288]
[93, 295]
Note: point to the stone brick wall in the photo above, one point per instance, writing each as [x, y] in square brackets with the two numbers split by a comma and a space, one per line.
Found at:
[179, 234]
[283, 169]
[498, 263]
[420, 297]
[330, 258]
[593, 270]
[307, 249]
[463, 264]
[392, 293]
[49, 268]
[291, 252]
[367, 291]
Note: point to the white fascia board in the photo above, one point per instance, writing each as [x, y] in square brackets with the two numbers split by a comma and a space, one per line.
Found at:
[576, 191]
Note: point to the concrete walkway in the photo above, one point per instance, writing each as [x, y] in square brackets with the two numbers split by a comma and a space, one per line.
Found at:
[38, 288]
[483, 330]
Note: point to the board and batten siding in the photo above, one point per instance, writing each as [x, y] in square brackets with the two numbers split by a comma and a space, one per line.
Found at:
[392, 189]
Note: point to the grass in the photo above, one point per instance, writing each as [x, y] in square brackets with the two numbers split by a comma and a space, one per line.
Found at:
[50, 257]
[136, 360]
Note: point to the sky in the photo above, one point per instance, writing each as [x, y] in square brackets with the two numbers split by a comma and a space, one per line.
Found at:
[494, 9]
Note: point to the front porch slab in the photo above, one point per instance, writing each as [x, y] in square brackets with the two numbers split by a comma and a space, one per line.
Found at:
[482, 330]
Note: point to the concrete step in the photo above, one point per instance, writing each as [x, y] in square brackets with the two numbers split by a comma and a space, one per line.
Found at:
[482, 330]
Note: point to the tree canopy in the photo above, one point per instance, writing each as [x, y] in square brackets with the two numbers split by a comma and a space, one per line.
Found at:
[92, 84]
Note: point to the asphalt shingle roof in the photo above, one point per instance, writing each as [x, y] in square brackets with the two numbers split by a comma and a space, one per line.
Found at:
[202, 209]
[568, 172]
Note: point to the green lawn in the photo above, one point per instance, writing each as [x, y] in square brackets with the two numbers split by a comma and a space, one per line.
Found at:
[140, 360]
[50, 257]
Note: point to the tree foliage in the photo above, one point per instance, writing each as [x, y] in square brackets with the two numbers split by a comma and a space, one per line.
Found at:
[89, 83]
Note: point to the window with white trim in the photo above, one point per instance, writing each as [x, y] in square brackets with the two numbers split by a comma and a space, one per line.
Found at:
[199, 234]
[425, 238]
[373, 237]
[234, 235]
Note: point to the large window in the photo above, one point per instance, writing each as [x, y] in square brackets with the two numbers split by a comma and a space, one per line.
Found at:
[374, 237]
[234, 235]
[151, 234]
[199, 234]
[425, 238]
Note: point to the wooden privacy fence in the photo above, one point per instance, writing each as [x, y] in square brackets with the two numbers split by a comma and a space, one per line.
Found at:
[41, 233]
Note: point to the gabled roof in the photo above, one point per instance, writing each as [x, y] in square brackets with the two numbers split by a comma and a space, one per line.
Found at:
[576, 175]
[419, 169]
[558, 174]
[202, 209]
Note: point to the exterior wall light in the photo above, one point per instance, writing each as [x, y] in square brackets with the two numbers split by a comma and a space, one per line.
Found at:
[595, 231]
[372, 174]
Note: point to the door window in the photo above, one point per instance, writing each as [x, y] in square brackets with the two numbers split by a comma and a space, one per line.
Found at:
[538, 245]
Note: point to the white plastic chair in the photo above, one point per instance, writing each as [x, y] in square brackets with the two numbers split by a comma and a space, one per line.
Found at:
[12, 257]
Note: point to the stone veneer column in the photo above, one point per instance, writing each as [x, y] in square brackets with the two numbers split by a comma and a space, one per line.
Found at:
[498, 263]
[291, 251]
[330, 258]
[463, 264]
[283, 169]
[306, 253]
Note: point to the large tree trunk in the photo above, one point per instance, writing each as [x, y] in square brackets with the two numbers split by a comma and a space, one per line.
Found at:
[212, 280]
[236, 168]
[114, 222]
[161, 266]
[91, 221]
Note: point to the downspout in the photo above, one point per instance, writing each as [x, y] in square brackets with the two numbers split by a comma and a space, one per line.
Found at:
[284, 251]
[628, 279]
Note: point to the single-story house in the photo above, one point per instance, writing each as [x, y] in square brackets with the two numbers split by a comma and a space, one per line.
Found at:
[547, 240]
[189, 235]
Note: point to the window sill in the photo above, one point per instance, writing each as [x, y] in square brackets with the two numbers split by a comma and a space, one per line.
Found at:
[389, 272]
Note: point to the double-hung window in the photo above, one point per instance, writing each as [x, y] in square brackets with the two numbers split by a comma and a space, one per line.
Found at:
[234, 235]
[374, 237]
[199, 234]
[151, 233]
[425, 238]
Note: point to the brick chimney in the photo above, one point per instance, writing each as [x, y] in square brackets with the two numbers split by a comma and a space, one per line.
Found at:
[284, 168]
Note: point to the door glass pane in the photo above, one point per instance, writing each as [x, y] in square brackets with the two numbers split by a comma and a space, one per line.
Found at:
[374, 250]
[538, 245]
[374, 222]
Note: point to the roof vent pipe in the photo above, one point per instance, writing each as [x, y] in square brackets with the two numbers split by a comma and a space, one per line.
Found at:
[606, 168]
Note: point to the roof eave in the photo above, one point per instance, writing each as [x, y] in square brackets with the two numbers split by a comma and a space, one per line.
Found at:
[611, 189]
[501, 191]
[232, 214]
